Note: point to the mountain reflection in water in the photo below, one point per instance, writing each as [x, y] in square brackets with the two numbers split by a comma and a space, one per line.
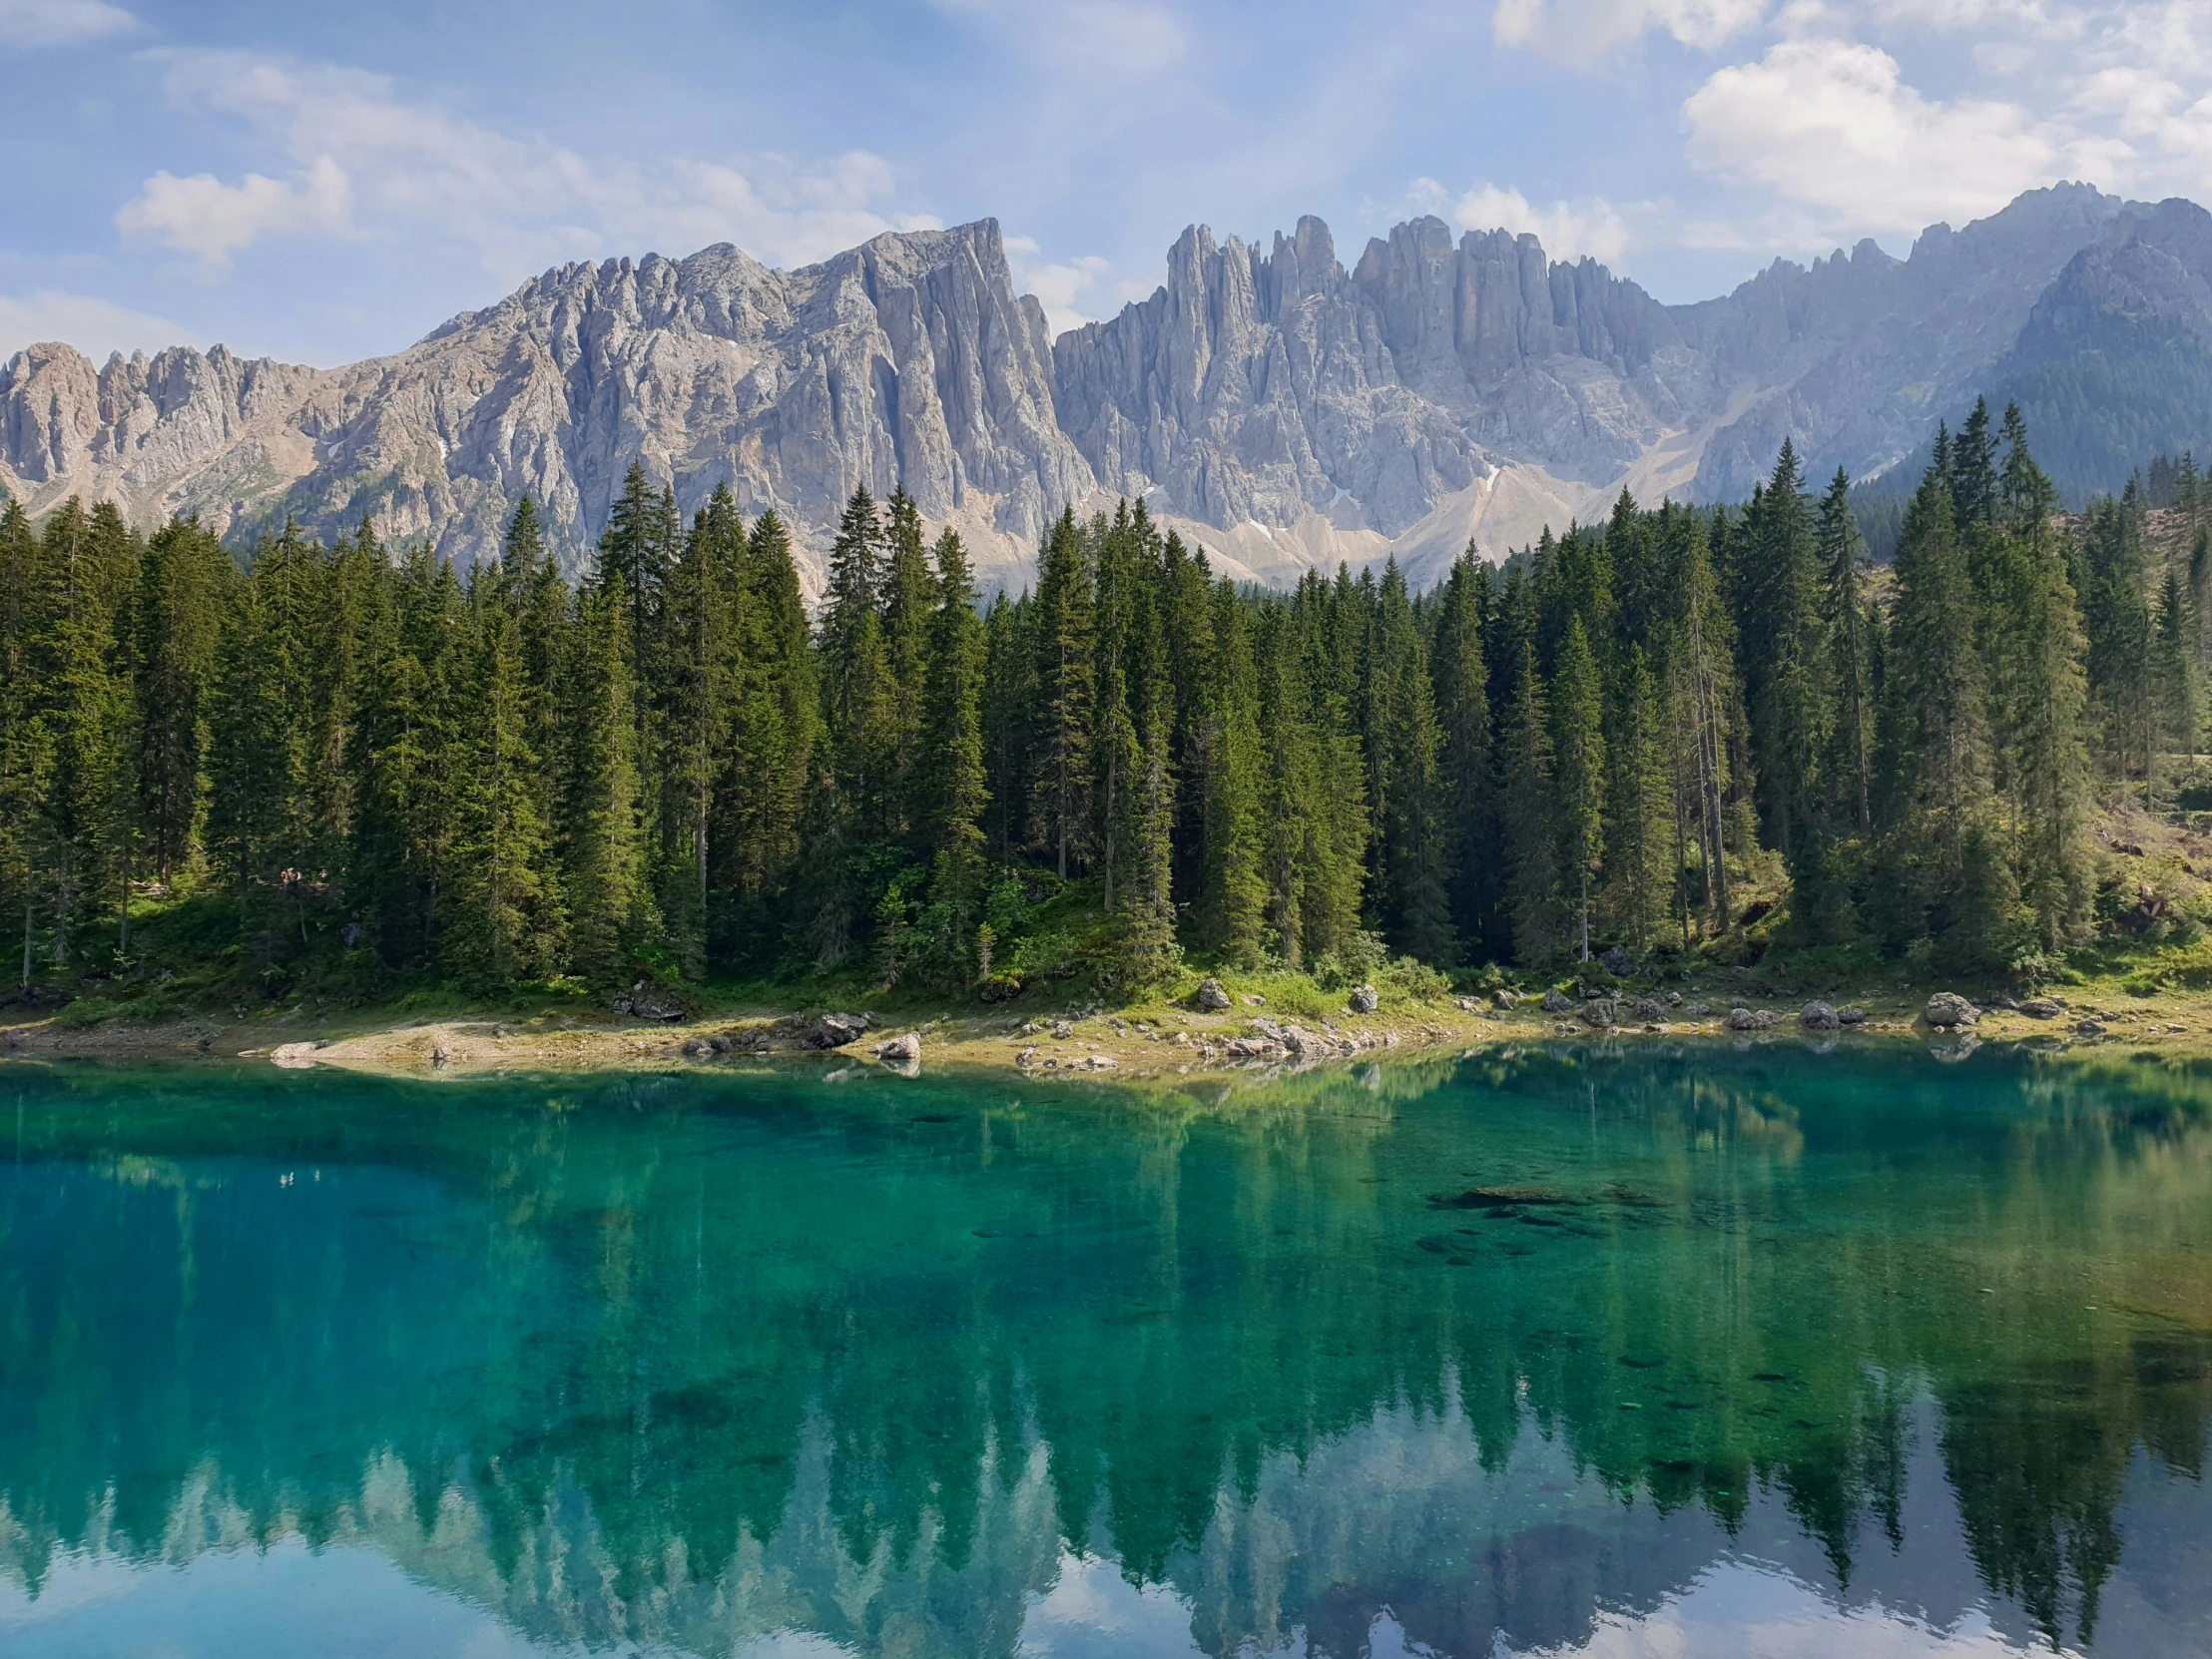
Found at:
[1715, 1352]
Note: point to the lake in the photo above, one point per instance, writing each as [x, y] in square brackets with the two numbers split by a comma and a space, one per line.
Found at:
[1685, 1352]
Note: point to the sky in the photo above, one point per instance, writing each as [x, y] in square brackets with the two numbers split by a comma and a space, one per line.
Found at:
[321, 184]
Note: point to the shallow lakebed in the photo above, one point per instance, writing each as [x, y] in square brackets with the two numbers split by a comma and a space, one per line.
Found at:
[1632, 1350]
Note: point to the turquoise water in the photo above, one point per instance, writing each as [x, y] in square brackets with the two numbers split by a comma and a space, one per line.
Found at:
[1716, 1352]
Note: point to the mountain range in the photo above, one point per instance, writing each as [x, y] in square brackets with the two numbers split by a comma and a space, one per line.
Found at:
[1280, 406]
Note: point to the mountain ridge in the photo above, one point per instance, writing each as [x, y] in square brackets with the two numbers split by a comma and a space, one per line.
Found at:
[1283, 408]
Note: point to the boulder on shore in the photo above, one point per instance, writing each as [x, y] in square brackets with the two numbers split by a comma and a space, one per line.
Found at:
[1751, 1019]
[1616, 962]
[904, 1050]
[1948, 1011]
[1601, 1013]
[1364, 999]
[1819, 1016]
[1557, 1003]
[835, 1030]
[1210, 996]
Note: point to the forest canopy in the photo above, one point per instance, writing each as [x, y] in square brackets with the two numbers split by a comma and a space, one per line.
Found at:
[359, 767]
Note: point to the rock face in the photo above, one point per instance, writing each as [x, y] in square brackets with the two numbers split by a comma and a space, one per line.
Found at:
[1278, 405]
[908, 359]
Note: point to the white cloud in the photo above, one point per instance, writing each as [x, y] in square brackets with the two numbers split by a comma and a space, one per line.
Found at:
[1826, 108]
[1059, 286]
[60, 22]
[1567, 230]
[92, 326]
[1834, 126]
[1582, 31]
[211, 220]
[372, 163]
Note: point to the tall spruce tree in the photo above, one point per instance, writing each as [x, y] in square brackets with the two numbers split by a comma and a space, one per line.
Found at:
[1578, 787]
[1527, 794]
[1465, 766]
[1066, 690]
[952, 768]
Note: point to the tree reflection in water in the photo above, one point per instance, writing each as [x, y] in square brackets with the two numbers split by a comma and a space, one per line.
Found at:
[1510, 1347]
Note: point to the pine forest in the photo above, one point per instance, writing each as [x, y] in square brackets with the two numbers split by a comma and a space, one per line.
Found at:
[347, 771]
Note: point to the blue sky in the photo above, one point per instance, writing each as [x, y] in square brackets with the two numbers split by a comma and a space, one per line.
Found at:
[322, 183]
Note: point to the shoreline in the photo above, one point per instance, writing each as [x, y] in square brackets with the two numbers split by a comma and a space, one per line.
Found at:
[1159, 1043]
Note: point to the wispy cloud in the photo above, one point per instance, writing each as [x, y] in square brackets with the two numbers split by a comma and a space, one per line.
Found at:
[61, 22]
[95, 326]
[1582, 31]
[369, 162]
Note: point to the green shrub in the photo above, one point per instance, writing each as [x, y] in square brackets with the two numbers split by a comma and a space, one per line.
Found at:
[86, 1012]
[1414, 980]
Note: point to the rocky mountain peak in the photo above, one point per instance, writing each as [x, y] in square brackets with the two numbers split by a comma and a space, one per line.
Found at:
[1285, 409]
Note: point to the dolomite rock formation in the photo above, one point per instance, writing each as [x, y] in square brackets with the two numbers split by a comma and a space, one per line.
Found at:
[1280, 408]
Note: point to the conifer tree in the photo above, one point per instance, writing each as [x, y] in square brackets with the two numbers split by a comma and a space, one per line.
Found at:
[910, 602]
[1232, 902]
[604, 877]
[2174, 670]
[1844, 617]
[774, 738]
[1148, 947]
[1009, 704]
[1704, 701]
[1639, 815]
[1782, 662]
[24, 749]
[184, 587]
[506, 921]
[1578, 751]
[1066, 687]
[1405, 801]
[1527, 794]
[86, 809]
[703, 666]
[1118, 593]
[953, 709]
[859, 697]
[1465, 766]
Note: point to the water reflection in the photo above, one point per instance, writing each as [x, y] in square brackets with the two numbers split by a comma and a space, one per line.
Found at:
[1754, 1354]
